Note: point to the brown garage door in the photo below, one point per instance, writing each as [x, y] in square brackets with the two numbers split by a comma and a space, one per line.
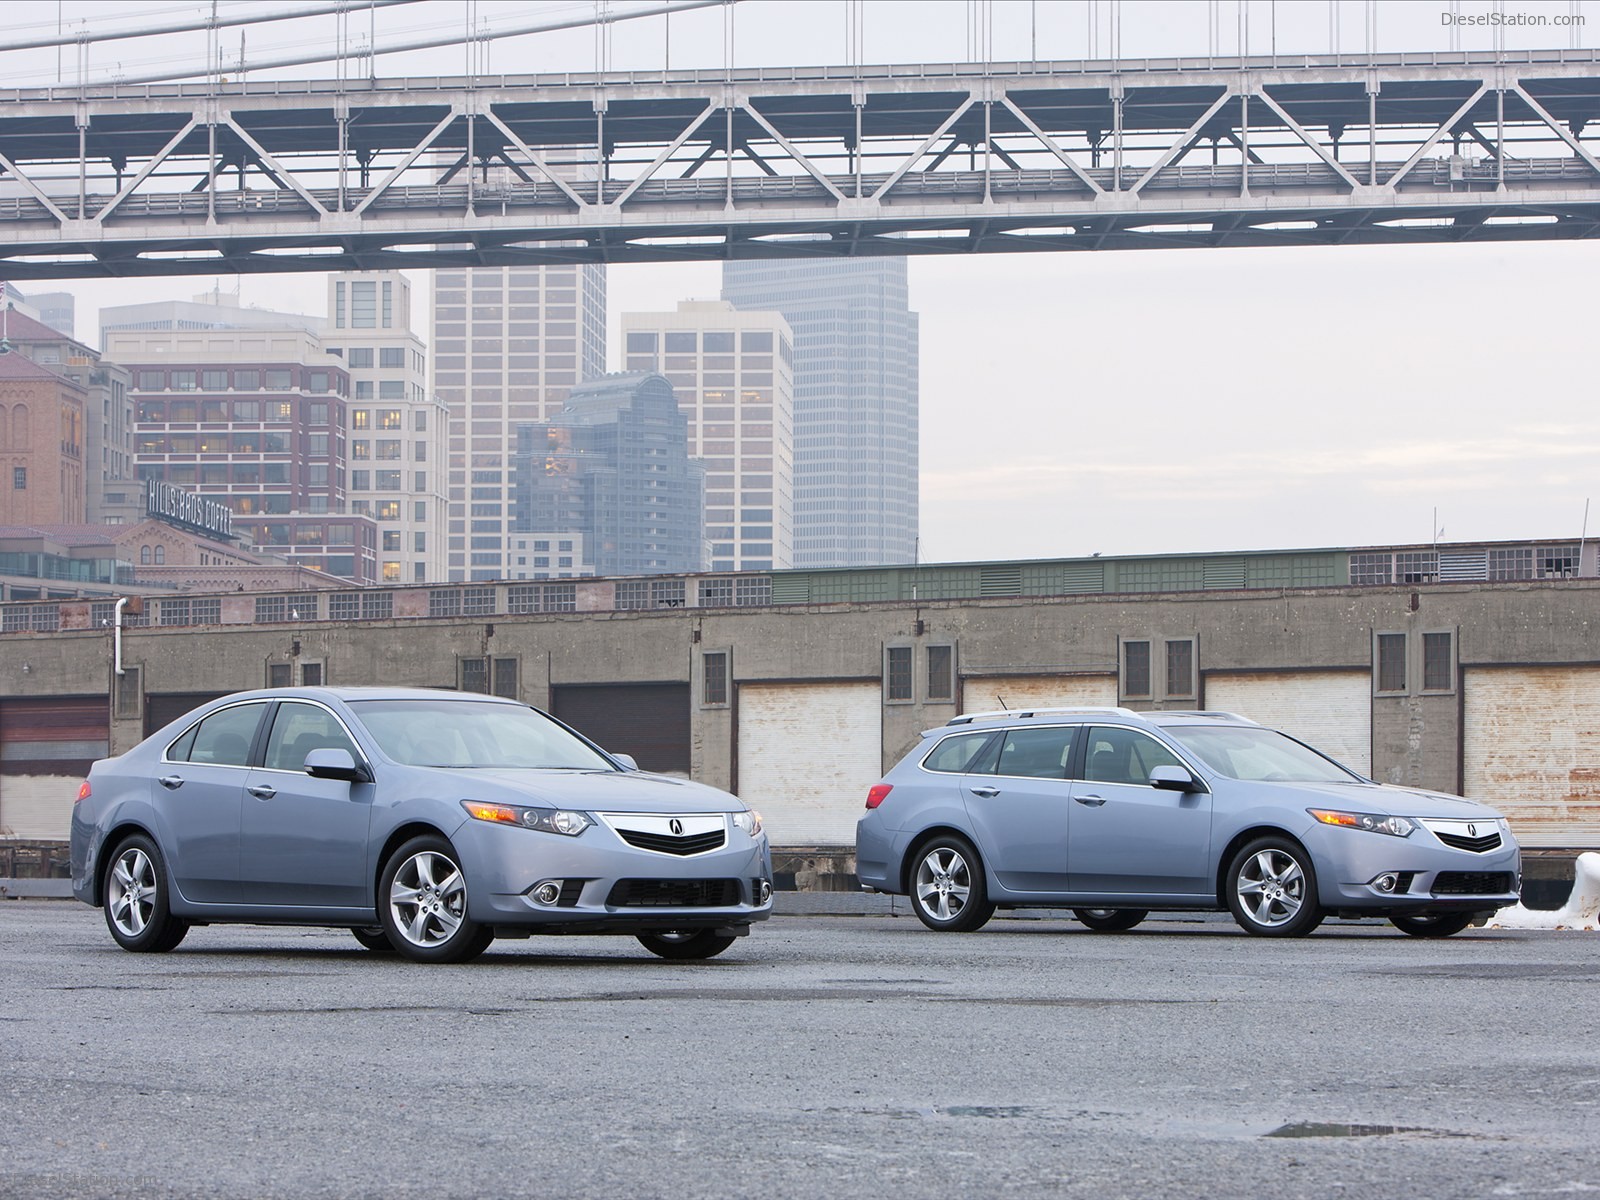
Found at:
[647, 720]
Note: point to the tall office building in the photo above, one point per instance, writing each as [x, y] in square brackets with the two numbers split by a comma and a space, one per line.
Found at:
[855, 402]
[612, 472]
[395, 428]
[509, 344]
[733, 375]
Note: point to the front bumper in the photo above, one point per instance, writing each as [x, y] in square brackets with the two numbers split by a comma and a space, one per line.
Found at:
[1424, 874]
[526, 880]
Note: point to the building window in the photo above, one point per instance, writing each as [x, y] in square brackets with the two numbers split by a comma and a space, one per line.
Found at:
[1438, 662]
[1180, 668]
[941, 673]
[391, 356]
[1371, 568]
[475, 675]
[897, 673]
[279, 674]
[1136, 669]
[19, 479]
[310, 674]
[1558, 562]
[714, 690]
[503, 677]
[1391, 662]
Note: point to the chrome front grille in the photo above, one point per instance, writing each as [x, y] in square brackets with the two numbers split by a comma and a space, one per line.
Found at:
[1475, 837]
[1478, 845]
[680, 834]
[668, 844]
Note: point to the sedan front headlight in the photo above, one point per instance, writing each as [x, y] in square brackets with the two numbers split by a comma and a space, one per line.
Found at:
[749, 821]
[1371, 822]
[549, 820]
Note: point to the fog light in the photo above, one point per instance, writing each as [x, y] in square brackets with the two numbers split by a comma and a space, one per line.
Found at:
[1386, 882]
[547, 893]
[764, 893]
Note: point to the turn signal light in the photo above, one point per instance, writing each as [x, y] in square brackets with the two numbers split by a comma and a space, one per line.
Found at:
[878, 792]
[492, 812]
[83, 791]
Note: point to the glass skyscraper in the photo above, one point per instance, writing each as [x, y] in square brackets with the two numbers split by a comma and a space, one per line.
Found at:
[509, 344]
[855, 402]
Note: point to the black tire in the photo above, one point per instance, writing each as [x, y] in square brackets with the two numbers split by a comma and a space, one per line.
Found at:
[686, 944]
[375, 939]
[422, 903]
[1433, 925]
[1271, 889]
[948, 890]
[1110, 920]
[135, 890]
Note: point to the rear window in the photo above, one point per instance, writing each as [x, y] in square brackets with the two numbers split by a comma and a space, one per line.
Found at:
[955, 754]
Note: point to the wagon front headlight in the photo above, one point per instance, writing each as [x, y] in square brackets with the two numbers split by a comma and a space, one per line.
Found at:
[749, 821]
[548, 820]
[1371, 822]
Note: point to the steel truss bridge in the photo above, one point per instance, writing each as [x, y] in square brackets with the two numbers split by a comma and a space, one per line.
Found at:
[124, 180]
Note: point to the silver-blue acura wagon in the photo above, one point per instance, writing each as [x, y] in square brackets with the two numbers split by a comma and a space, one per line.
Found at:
[1115, 814]
[427, 822]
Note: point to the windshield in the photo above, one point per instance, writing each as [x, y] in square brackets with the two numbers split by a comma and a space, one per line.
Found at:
[471, 733]
[1259, 754]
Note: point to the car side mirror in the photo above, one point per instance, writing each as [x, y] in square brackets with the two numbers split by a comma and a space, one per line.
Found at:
[1175, 779]
[626, 760]
[330, 762]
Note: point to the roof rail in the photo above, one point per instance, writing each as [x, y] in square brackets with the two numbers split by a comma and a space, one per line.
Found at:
[1082, 710]
[1214, 713]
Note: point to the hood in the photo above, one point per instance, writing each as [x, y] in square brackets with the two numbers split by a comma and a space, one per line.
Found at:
[1383, 799]
[592, 791]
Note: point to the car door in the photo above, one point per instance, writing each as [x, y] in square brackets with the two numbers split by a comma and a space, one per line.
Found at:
[1017, 799]
[303, 841]
[199, 791]
[1127, 837]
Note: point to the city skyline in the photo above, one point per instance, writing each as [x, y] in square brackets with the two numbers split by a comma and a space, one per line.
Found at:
[1162, 401]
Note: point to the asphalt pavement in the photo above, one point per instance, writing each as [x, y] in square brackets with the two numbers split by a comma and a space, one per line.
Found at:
[840, 1055]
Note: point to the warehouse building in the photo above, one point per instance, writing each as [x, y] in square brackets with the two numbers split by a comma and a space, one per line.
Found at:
[797, 689]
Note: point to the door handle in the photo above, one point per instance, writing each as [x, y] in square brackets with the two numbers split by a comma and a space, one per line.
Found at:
[1091, 801]
[171, 782]
[262, 792]
[985, 792]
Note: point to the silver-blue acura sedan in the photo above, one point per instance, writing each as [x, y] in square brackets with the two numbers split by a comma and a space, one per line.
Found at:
[426, 822]
[1114, 814]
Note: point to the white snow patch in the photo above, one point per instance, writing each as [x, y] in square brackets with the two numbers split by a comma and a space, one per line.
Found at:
[1581, 911]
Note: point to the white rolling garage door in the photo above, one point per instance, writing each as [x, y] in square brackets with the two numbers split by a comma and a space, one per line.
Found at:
[1531, 743]
[1331, 710]
[988, 693]
[807, 755]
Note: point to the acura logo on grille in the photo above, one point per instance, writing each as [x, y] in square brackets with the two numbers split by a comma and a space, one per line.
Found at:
[676, 826]
[1472, 831]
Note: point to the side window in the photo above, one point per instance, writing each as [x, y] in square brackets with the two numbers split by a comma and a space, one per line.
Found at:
[955, 754]
[297, 730]
[224, 738]
[1036, 753]
[1124, 756]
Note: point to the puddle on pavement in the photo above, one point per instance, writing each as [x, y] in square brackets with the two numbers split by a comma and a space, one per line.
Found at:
[1326, 1129]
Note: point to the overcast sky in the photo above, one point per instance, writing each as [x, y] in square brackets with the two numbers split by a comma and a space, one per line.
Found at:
[1126, 402]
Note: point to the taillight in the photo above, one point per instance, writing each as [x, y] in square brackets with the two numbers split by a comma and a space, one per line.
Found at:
[83, 790]
[876, 795]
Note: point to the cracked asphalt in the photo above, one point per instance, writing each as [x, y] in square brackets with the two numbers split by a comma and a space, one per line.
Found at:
[829, 1055]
